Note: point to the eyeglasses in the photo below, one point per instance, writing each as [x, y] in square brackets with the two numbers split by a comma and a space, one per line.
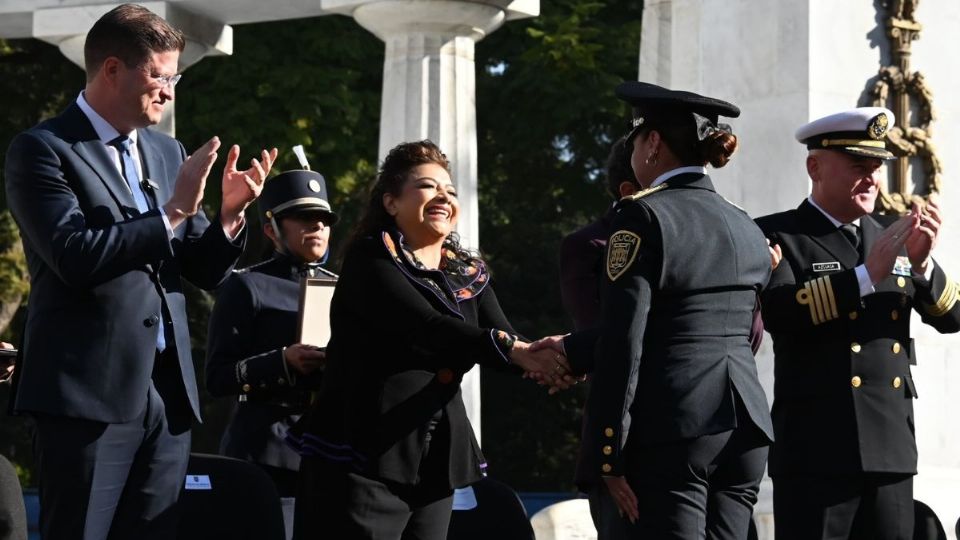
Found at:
[168, 80]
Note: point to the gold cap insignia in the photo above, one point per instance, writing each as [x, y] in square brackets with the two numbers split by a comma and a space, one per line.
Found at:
[877, 128]
[622, 249]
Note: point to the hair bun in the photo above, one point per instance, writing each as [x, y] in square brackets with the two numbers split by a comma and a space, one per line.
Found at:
[717, 148]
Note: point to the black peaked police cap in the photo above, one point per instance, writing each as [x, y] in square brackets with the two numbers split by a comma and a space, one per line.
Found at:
[654, 105]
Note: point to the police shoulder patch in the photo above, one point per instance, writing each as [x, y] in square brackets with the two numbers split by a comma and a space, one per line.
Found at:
[622, 249]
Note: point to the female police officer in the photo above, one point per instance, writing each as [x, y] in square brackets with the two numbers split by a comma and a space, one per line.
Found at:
[251, 346]
[677, 425]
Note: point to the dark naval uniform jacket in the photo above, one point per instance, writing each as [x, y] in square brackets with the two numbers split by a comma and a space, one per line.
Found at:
[843, 392]
[402, 338]
[581, 267]
[254, 319]
[683, 271]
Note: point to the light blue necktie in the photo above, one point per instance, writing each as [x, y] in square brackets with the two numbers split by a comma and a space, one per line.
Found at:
[129, 167]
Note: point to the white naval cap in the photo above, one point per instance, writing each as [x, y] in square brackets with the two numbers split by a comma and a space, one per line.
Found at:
[861, 132]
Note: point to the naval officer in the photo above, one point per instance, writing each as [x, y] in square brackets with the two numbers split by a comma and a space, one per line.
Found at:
[839, 308]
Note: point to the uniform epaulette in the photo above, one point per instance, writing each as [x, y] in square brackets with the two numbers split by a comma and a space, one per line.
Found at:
[644, 192]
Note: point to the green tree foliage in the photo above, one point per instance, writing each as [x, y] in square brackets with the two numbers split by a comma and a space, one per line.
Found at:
[546, 117]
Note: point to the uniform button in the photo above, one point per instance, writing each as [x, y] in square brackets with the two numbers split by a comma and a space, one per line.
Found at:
[894, 315]
[901, 282]
[897, 381]
[246, 388]
[607, 450]
[855, 381]
[281, 381]
[896, 347]
[606, 467]
[853, 315]
[608, 432]
[855, 347]
[445, 376]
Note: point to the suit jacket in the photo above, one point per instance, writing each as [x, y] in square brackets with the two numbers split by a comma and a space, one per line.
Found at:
[673, 358]
[581, 266]
[843, 392]
[255, 317]
[103, 276]
[402, 339]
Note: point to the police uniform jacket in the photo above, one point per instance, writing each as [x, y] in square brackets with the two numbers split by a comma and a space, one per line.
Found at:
[683, 271]
[843, 389]
[254, 319]
[402, 338]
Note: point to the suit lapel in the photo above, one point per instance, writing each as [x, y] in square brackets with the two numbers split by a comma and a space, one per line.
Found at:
[91, 150]
[823, 232]
[152, 168]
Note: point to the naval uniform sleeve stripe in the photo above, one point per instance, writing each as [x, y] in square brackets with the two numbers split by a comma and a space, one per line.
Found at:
[815, 287]
[831, 298]
[803, 298]
[946, 302]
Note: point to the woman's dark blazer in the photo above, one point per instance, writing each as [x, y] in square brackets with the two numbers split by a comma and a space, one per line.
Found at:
[402, 339]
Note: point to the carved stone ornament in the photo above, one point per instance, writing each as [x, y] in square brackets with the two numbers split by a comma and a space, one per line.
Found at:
[902, 90]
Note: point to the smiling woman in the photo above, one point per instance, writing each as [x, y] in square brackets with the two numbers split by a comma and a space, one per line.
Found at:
[388, 439]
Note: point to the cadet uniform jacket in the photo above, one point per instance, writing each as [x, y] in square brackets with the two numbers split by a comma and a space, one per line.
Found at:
[683, 270]
[254, 318]
[402, 338]
[843, 392]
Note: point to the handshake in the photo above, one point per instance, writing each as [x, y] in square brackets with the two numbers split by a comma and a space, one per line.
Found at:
[545, 362]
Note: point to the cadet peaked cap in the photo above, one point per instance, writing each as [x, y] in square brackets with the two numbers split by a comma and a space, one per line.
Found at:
[651, 103]
[295, 190]
[861, 132]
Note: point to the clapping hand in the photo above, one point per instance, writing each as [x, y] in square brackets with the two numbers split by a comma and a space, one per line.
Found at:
[776, 254]
[240, 188]
[923, 239]
[887, 246]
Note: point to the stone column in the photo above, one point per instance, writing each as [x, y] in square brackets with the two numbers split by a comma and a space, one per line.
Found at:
[67, 28]
[429, 80]
[786, 62]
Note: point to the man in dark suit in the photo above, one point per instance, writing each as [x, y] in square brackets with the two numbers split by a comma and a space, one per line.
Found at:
[838, 307]
[581, 252]
[110, 219]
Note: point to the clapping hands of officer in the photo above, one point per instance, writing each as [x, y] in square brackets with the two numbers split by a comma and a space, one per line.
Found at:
[887, 246]
[305, 359]
[924, 238]
[543, 364]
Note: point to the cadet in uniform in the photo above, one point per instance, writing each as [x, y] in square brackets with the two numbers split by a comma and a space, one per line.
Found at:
[838, 307]
[252, 349]
[677, 424]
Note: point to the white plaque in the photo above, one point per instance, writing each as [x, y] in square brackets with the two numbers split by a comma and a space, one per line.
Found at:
[314, 320]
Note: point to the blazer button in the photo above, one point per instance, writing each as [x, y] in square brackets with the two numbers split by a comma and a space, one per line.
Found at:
[608, 432]
[856, 381]
[246, 388]
[855, 347]
[901, 282]
[853, 315]
[894, 315]
[896, 347]
[151, 320]
[897, 381]
[606, 468]
[607, 450]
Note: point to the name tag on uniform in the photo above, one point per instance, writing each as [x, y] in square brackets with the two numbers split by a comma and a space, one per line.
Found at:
[198, 482]
[826, 267]
[903, 267]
